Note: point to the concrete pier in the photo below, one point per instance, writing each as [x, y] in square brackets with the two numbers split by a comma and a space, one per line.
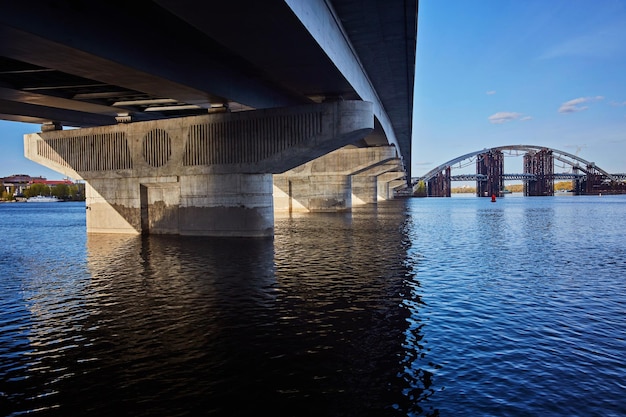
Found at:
[202, 175]
[338, 181]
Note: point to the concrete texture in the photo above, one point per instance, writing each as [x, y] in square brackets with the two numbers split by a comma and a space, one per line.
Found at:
[203, 175]
[338, 181]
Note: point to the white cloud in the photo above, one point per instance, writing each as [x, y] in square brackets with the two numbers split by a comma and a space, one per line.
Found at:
[618, 104]
[574, 105]
[491, 92]
[503, 117]
[525, 118]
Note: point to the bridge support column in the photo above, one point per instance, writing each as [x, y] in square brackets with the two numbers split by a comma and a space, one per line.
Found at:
[387, 183]
[337, 181]
[490, 164]
[541, 165]
[593, 180]
[372, 185]
[441, 184]
[202, 175]
[316, 193]
[364, 189]
[213, 205]
[227, 205]
[578, 184]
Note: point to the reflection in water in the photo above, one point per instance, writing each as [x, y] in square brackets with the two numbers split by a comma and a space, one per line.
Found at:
[524, 303]
[352, 282]
[178, 320]
[420, 307]
[321, 320]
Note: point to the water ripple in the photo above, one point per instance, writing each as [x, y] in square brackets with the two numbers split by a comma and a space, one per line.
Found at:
[418, 307]
[525, 301]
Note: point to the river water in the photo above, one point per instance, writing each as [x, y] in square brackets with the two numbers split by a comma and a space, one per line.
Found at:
[438, 306]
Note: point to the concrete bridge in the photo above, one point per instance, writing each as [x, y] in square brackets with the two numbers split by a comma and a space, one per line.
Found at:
[203, 118]
[538, 175]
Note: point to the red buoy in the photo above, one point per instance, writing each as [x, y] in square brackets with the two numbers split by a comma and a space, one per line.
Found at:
[493, 198]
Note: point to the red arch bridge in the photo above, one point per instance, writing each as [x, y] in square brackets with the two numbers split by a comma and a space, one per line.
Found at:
[538, 176]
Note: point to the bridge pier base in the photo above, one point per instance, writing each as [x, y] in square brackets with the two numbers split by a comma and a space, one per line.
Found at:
[231, 205]
[318, 193]
[338, 181]
[387, 183]
[227, 205]
[365, 189]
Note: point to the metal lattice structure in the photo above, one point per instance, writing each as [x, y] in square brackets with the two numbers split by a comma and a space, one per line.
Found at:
[440, 184]
[541, 165]
[491, 165]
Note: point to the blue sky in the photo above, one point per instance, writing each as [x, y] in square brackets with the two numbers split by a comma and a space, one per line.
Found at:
[493, 73]
[534, 72]
[12, 160]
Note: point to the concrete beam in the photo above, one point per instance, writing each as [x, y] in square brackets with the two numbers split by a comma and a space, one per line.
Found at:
[324, 25]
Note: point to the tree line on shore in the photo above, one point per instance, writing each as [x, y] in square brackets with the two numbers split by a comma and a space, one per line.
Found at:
[514, 188]
[518, 188]
[73, 192]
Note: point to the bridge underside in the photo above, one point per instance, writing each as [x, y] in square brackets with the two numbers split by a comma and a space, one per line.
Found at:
[203, 103]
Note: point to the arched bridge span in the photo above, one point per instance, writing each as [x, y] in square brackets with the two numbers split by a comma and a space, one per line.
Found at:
[565, 157]
[538, 175]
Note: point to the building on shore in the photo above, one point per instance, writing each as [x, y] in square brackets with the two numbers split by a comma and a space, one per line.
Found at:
[16, 184]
